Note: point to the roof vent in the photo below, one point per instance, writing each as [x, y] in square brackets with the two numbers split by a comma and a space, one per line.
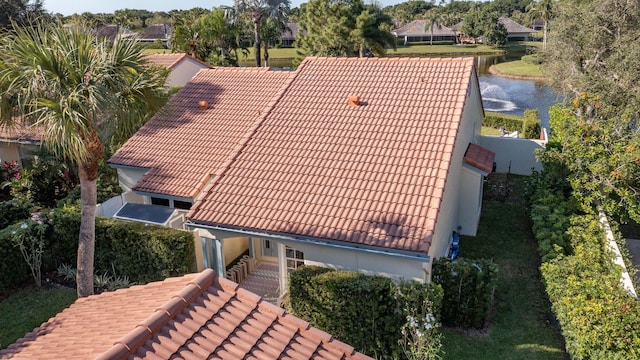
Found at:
[203, 104]
[354, 100]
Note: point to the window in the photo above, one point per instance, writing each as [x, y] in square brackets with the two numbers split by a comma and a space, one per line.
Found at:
[181, 204]
[160, 201]
[295, 258]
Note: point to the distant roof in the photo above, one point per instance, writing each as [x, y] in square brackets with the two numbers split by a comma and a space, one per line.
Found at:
[184, 143]
[370, 174]
[111, 31]
[417, 28]
[156, 32]
[20, 133]
[513, 27]
[171, 60]
[194, 317]
[291, 32]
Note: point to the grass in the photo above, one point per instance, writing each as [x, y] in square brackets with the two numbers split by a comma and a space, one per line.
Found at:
[521, 327]
[28, 308]
[520, 68]
[489, 131]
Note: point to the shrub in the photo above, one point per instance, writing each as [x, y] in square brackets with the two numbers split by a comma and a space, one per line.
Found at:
[367, 312]
[531, 124]
[12, 211]
[29, 238]
[533, 59]
[468, 287]
[507, 122]
[13, 269]
[140, 252]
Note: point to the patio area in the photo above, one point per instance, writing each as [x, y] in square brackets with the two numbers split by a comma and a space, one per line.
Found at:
[263, 281]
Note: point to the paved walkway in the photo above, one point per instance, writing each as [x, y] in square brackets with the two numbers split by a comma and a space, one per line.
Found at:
[634, 249]
[263, 281]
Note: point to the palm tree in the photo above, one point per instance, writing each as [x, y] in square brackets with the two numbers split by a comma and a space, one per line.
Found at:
[258, 10]
[434, 19]
[543, 10]
[80, 90]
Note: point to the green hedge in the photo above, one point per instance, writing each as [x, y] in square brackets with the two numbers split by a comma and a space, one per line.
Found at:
[363, 311]
[141, 252]
[599, 319]
[12, 211]
[13, 269]
[528, 125]
[468, 287]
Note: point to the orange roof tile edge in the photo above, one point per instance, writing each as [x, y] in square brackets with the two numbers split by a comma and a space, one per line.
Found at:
[480, 158]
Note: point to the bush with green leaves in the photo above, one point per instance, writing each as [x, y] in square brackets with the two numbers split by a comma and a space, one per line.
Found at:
[13, 269]
[506, 122]
[469, 286]
[531, 124]
[369, 312]
[44, 180]
[12, 211]
[29, 237]
[138, 251]
[598, 317]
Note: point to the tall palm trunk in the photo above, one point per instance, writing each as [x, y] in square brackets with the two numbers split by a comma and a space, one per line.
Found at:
[256, 28]
[88, 174]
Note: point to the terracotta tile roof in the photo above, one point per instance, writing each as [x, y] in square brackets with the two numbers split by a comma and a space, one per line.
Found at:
[184, 143]
[371, 174]
[21, 133]
[171, 60]
[191, 317]
[418, 28]
[480, 158]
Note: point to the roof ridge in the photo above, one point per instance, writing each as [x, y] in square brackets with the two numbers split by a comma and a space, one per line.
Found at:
[218, 173]
[130, 342]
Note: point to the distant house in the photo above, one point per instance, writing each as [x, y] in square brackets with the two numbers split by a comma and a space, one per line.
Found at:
[156, 33]
[197, 316]
[368, 165]
[182, 67]
[113, 31]
[18, 143]
[416, 31]
[289, 36]
[515, 30]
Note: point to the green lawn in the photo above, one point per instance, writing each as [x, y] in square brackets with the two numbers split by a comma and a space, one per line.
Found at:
[28, 308]
[520, 328]
[520, 68]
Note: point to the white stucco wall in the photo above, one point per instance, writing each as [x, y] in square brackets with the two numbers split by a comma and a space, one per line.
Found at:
[11, 151]
[470, 201]
[183, 72]
[370, 264]
[129, 177]
[513, 155]
[449, 214]
[234, 247]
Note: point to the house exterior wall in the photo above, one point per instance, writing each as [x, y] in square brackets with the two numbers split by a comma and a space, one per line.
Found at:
[234, 247]
[129, 177]
[183, 72]
[469, 210]
[449, 214]
[513, 155]
[366, 263]
[11, 151]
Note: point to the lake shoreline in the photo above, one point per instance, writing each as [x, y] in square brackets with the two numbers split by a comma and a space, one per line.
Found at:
[494, 71]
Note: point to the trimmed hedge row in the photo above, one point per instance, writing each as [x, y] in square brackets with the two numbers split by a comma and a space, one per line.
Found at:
[141, 252]
[469, 286]
[529, 124]
[366, 312]
[599, 319]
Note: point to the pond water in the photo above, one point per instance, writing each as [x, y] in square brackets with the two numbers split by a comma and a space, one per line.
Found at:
[499, 94]
[511, 96]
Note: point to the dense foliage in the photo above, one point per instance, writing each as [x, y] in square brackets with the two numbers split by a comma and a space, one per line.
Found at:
[469, 287]
[367, 312]
[348, 28]
[599, 319]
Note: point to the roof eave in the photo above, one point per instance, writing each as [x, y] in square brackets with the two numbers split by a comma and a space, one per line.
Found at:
[397, 253]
